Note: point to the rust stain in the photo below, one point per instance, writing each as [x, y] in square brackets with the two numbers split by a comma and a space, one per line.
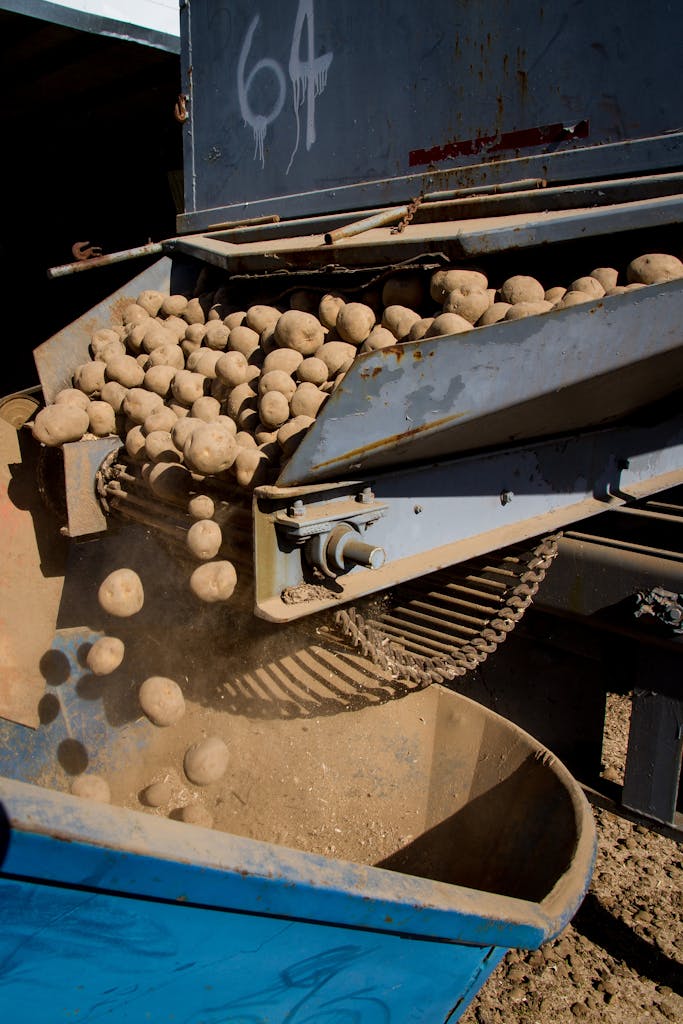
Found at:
[417, 355]
[392, 439]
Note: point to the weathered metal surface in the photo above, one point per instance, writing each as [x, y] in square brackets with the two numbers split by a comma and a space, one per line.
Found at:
[653, 762]
[147, 22]
[151, 249]
[561, 371]
[274, 94]
[174, 918]
[82, 460]
[441, 514]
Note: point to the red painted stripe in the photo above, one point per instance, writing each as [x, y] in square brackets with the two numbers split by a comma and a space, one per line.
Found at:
[523, 139]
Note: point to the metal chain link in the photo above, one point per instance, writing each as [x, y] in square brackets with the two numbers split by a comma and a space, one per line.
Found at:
[423, 670]
[407, 216]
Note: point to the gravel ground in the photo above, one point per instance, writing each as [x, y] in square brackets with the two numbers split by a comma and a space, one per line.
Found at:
[621, 958]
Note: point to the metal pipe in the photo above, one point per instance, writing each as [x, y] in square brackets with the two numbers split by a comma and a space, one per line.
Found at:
[486, 190]
[105, 261]
[378, 220]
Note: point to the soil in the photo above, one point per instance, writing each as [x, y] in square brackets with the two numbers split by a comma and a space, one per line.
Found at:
[621, 958]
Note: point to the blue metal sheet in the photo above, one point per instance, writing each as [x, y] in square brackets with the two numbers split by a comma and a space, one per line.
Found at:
[561, 371]
[457, 98]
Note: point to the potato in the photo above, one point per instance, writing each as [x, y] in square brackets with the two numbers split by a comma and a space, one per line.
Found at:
[419, 329]
[195, 333]
[188, 347]
[206, 761]
[554, 295]
[267, 343]
[607, 276]
[216, 336]
[251, 467]
[111, 351]
[121, 593]
[399, 320]
[590, 285]
[243, 340]
[100, 339]
[273, 407]
[354, 323]
[654, 268]
[406, 290]
[176, 327]
[113, 394]
[286, 359]
[573, 299]
[167, 355]
[241, 397]
[448, 323]
[291, 434]
[521, 289]
[157, 794]
[520, 310]
[105, 655]
[227, 423]
[204, 361]
[162, 700]
[445, 281]
[312, 370]
[187, 387]
[337, 356]
[494, 314]
[72, 396]
[259, 317]
[231, 368]
[329, 308]
[139, 403]
[245, 440]
[158, 337]
[193, 312]
[89, 377]
[214, 581]
[195, 814]
[135, 443]
[248, 419]
[159, 447]
[158, 379]
[206, 408]
[125, 370]
[467, 303]
[201, 506]
[306, 401]
[204, 539]
[301, 331]
[379, 337]
[278, 380]
[170, 481]
[210, 449]
[150, 301]
[234, 319]
[634, 286]
[57, 424]
[102, 419]
[134, 314]
[91, 787]
[173, 305]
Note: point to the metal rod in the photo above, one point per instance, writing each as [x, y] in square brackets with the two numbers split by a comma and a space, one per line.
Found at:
[613, 542]
[228, 225]
[105, 261]
[379, 220]
[486, 190]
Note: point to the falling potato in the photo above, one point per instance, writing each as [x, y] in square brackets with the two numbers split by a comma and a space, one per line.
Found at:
[214, 581]
[105, 655]
[157, 794]
[91, 787]
[210, 449]
[162, 701]
[206, 761]
[121, 593]
[204, 539]
[201, 506]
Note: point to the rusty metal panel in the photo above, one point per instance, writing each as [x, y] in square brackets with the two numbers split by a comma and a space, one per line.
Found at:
[308, 106]
[425, 400]
[82, 460]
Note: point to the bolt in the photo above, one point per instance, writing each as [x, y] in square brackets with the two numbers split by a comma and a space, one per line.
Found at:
[366, 496]
[297, 510]
[506, 497]
[417, 509]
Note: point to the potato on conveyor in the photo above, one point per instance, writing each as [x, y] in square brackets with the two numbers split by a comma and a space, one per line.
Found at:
[204, 361]
[306, 400]
[102, 419]
[91, 787]
[555, 294]
[100, 339]
[105, 655]
[607, 276]
[125, 370]
[154, 337]
[210, 449]
[72, 396]
[520, 310]
[354, 323]
[291, 434]
[187, 386]
[204, 538]
[278, 380]
[286, 359]
[162, 418]
[329, 308]
[201, 506]
[241, 397]
[399, 320]
[445, 281]
[139, 403]
[231, 368]
[206, 761]
[121, 593]
[57, 424]
[419, 329]
[494, 314]
[89, 377]
[654, 268]
[193, 312]
[111, 351]
[135, 443]
[113, 394]
[159, 447]
[158, 380]
[378, 338]
[134, 314]
[214, 581]
[273, 407]
[448, 323]
[521, 288]
[337, 356]
[173, 305]
[162, 700]
[251, 467]
[150, 301]
[301, 331]
[216, 335]
[588, 284]
[571, 298]
[206, 408]
[469, 303]
[235, 319]
[258, 318]
[312, 371]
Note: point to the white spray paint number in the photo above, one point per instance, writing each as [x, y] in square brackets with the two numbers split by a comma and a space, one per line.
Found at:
[308, 77]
